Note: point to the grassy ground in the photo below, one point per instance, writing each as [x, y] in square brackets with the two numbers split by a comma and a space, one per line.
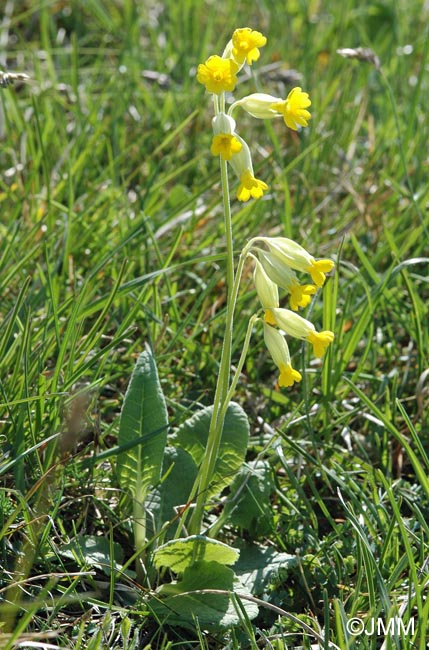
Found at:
[111, 236]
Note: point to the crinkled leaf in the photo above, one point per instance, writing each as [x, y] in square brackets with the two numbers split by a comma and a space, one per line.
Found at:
[192, 436]
[180, 473]
[178, 554]
[258, 566]
[179, 604]
[92, 551]
[142, 429]
[248, 505]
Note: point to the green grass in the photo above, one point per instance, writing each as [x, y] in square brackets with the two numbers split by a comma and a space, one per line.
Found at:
[111, 237]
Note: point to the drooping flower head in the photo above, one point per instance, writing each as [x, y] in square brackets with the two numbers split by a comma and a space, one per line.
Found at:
[300, 295]
[250, 187]
[301, 328]
[245, 45]
[294, 256]
[278, 348]
[218, 75]
[286, 278]
[267, 290]
[225, 145]
[294, 109]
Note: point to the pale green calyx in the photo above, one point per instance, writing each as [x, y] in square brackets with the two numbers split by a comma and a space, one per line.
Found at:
[258, 105]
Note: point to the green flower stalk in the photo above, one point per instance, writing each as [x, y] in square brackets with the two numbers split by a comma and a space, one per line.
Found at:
[276, 260]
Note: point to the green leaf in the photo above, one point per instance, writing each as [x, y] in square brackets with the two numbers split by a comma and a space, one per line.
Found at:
[192, 437]
[258, 566]
[178, 604]
[178, 554]
[180, 473]
[248, 505]
[144, 413]
[92, 551]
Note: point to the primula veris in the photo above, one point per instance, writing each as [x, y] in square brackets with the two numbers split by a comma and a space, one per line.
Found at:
[320, 341]
[294, 109]
[250, 187]
[225, 145]
[284, 277]
[318, 270]
[218, 75]
[223, 123]
[258, 105]
[241, 162]
[300, 295]
[294, 256]
[288, 376]
[266, 289]
[301, 328]
[278, 348]
[245, 45]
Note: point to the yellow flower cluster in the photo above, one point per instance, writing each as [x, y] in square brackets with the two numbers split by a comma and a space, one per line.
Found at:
[276, 260]
[219, 76]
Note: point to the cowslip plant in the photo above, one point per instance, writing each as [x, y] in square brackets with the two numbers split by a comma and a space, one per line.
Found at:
[276, 259]
[174, 482]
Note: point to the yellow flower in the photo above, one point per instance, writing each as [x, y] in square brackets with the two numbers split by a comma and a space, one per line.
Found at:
[300, 295]
[288, 376]
[317, 270]
[245, 44]
[278, 348]
[290, 254]
[293, 108]
[218, 75]
[320, 341]
[225, 145]
[284, 277]
[250, 187]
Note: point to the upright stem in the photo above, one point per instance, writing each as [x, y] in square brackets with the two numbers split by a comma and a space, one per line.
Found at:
[222, 387]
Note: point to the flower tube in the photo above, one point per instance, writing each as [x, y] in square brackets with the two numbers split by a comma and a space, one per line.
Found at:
[301, 328]
[278, 348]
[285, 278]
[293, 109]
[266, 289]
[290, 254]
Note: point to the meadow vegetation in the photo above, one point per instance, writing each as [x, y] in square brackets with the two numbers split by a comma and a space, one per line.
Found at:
[111, 243]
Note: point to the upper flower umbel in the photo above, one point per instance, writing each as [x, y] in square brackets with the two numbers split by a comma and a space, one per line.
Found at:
[218, 75]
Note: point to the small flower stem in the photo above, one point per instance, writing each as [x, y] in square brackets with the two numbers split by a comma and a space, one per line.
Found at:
[240, 365]
[222, 393]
